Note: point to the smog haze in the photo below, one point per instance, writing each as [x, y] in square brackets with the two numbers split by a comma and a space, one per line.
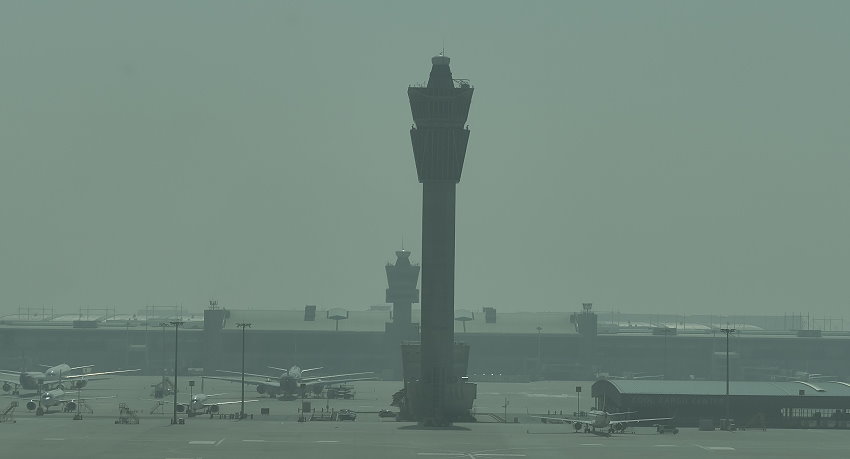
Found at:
[669, 157]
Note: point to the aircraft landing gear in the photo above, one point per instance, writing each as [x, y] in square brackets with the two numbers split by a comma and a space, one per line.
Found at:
[39, 411]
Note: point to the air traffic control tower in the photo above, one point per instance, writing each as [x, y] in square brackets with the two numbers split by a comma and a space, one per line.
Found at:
[439, 140]
[402, 278]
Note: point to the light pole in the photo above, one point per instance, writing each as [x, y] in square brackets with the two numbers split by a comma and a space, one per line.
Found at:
[243, 326]
[539, 353]
[727, 331]
[164, 325]
[177, 324]
[667, 331]
[578, 401]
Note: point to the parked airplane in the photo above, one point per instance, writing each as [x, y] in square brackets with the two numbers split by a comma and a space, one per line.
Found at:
[57, 397]
[600, 420]
[58, 376]
[200, 404]
[287, 386]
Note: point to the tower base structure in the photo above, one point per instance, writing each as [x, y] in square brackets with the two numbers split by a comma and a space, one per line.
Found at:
[455, 398]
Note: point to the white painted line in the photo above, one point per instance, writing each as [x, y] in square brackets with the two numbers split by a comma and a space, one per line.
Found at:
[591, 444]
[498, 454]
[201, 442]
[267, 441]
[441, 454]
[327, 441]
[219, 442]
[666, 446]
[716, 448]
[54, 439]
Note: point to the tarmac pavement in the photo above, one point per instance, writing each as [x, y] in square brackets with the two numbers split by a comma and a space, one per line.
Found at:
[97, 435]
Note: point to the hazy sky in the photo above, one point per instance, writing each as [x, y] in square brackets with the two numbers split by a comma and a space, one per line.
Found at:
[668, 156]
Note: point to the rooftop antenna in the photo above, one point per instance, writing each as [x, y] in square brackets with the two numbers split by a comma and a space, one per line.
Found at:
[443, 52]
[402, 243]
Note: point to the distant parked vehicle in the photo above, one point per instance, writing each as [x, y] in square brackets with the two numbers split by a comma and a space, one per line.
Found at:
[346, 415]
[386, 414]
[660, 428]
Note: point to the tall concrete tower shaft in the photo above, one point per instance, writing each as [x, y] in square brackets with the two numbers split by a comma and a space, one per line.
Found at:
[439, 139]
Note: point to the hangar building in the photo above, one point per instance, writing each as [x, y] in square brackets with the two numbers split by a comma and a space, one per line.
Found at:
[752, 403]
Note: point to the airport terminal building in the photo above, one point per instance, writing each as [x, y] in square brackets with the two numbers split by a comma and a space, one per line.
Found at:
[503, 346]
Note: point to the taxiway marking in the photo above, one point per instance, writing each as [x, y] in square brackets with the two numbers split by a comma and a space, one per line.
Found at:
[716, 448]
[498, 454]
[202, 442]
[267, 441]
[472, 455]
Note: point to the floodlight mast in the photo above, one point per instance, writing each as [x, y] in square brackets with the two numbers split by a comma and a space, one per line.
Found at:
[727, 331]
[243, 326]
[177, 324]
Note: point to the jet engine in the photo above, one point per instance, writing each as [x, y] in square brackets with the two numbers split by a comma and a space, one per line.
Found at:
[213, 409]
[7, 387]
[70, 406]
[261, 388]
[618, 427]
[577, 426]
[31, 405]
[181, 408]
[79, 384]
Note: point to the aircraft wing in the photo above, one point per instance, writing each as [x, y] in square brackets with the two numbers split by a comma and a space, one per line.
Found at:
[100, 373]
[304, 370]
[247, 374]
[335, 381]
[565, 420]
[82, 367]
[634, 421]
[226, 403]
[247, 381]
[309, 379]
[85, 399]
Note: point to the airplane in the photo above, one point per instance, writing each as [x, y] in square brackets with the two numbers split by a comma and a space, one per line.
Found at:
[199, 404]
[288, 384]
[57, 397]
[53, 377]
[600, 420]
